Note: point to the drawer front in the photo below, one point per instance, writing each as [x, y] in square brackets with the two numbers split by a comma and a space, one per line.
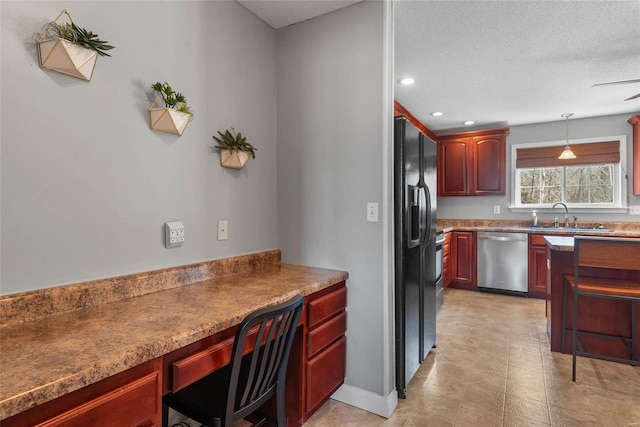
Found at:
[536, 240]
[326, 306]
[134, 404]
[325, 373]
[190, 369]
[325, 334]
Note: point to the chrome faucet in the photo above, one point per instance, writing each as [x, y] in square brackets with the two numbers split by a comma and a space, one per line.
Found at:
[566, 213]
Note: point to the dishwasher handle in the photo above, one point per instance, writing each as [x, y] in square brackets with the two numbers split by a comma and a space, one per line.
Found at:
[503, 239]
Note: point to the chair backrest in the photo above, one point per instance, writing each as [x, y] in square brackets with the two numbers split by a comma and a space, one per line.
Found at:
[607, 252]
[255, 376]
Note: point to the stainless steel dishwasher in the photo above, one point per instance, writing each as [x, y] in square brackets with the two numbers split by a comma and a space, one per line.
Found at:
[502, 261]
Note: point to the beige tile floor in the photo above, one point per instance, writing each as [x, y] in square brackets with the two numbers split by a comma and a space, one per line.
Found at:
[493, 367]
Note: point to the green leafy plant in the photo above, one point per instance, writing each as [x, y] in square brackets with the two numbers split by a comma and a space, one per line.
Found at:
[73, 33]
[172, 99]
[234, 141]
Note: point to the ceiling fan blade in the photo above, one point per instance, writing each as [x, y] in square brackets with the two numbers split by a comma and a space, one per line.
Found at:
[633, 97]
[621, 82]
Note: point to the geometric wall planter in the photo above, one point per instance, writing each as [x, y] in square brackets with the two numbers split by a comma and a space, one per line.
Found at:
[166, 119]
[69, 49]
[234, 149]
[66, 57]
[234, 159]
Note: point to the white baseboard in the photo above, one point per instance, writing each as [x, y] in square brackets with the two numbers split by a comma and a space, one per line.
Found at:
[364, 399]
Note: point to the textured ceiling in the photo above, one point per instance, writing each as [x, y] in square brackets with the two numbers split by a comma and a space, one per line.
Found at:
[502, 63]
[515, 62]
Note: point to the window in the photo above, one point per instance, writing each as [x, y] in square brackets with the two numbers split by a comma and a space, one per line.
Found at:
[592, 180]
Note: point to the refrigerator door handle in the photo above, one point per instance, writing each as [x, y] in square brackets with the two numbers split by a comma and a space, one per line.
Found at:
[425, 221]
[414, 214]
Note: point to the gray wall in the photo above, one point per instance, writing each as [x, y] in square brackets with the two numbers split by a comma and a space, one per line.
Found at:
[87, 187]
[482, 207]
[333, 141]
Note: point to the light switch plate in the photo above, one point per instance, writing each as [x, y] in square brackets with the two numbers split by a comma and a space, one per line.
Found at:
[173, 234]
[372, 212]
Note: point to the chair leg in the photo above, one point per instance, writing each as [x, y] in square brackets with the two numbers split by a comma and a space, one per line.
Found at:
[564, 315]
[574, 334]
[282, 415]
[165, 415]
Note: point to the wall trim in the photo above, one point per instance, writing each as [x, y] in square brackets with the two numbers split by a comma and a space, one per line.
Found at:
[364, 399]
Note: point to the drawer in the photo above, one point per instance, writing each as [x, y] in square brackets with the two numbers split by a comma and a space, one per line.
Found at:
[326, 306]
[134, 404]
[325, 373]
[536, 240]
[325, 334]
[190, 369]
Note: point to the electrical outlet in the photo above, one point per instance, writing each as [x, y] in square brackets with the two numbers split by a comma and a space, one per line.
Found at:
[634, 210]
[223, 226]
[173, 234]
[372, 212]
[496, 209]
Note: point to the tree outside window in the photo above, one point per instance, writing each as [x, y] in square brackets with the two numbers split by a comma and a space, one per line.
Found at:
[582, 184]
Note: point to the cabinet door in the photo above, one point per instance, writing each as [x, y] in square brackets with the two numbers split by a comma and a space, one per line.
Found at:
[325, 373]
[453, 167]
[488, 170]
[446, 260]
[537, 271]
[463, 254]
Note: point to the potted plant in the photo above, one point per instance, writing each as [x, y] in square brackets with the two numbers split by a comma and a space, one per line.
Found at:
[234, 149]
[70, 49]
[174, 115]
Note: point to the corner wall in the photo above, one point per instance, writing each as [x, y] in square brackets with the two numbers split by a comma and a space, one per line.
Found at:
[86, 186]
[334, 138]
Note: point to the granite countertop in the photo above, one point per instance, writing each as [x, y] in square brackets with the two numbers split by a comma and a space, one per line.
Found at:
[45, 358]
[518, 226]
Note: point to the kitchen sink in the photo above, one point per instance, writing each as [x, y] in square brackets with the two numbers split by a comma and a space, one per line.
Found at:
[573, 229]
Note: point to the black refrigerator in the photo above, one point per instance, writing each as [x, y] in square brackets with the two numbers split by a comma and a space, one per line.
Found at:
[415, 249]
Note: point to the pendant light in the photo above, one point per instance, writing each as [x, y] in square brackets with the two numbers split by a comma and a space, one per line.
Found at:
[567, 153]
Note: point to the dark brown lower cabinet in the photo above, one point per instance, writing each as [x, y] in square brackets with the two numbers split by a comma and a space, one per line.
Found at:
[537, 266]
[446, 260]
[463, 260]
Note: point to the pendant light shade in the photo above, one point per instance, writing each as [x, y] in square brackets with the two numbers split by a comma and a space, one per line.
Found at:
[567, 153]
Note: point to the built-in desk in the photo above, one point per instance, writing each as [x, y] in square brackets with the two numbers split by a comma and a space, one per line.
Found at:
[95, 361]
[599, 315]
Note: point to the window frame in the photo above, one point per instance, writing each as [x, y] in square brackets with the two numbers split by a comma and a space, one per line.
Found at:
[619, 176]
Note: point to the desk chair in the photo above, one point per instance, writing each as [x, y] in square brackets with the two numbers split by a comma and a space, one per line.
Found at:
[603, 253]
[239, 389]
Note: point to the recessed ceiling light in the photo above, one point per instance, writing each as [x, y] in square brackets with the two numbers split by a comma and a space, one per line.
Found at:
[437, 113]
[406, 81]
[469, 122]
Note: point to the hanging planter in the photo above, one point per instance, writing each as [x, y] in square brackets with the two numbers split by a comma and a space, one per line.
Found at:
[233, 159]
[69, 49]
[174, 116]
[234, 149]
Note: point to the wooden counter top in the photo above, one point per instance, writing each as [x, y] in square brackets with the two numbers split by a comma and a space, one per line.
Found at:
[45, 358]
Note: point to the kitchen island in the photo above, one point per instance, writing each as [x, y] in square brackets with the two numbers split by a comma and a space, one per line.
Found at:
[105, 343]
[607, 316]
